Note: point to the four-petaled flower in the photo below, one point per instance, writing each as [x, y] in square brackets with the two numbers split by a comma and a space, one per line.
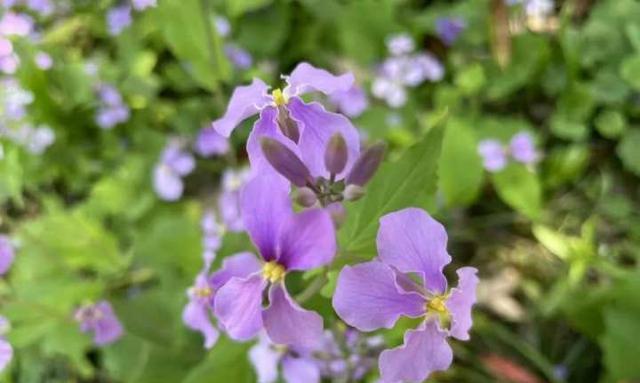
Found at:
[407, 279]
[286, 241]
[495, 155]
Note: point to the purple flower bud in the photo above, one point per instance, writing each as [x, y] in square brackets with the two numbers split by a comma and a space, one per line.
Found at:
[335, 157]
[306, 197]
[337, 212]
[353, 192]
[287, 125]
[366, 166]
[285, 162]
[6, 254]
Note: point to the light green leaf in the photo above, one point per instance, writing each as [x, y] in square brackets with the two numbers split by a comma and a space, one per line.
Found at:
[520, 189]
[628, 150]
[227, 362]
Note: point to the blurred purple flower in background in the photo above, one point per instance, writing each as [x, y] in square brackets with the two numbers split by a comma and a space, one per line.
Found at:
[297, 366]
[43, 7]
[99, 319]
[34, 139]
[6, 351]
[239, 57]
[400, 44]
[229, 199]
[7, 254]
[495, 155]
[118, 18]
[174, 164]
[43, 61]
[140, 5]
[9, 61]
[223, 27]
[209, 143]
[449, 29]
[286, 241]
[212, 233]
[351, 102]
[16, 24]
[374, 295]
[197, 313]
[113, 110]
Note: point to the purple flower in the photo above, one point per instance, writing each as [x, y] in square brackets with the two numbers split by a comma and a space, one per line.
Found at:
[286, 242]
[197, 313]
[400, 44]
[495, 156]
[100, 319]
[229, 199]
[448, 29]
[174, 164]
[118, 18]
[9, 64]
[6, 48]
[284, 116]
[223, 27]
[239, 57]
[209, 143]
[375, 294]
[7, 254]
[43, 61]
[113, 110]
[43, 7]
[16, 24]
[212, 233]
[351, 102]
[6, 351]
[141, 5]
[297, 367]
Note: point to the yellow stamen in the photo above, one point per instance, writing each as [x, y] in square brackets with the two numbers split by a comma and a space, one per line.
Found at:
[201, 292]
[279, 98]
[437, 304]
[273, 272]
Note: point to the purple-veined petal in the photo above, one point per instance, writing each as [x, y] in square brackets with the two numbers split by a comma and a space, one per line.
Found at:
[266, 126]
[7, 254]
[238, 265]
[264, 205]
[307, 78]
[368, 298]
[460, 302]
[413, 242]
[265, 360]
[245, 102]
[287, 323]
[238, 306]
[300, 370]
[424, 351]
[523, 149]
[6, 353]
[196, 316]
[317, 125]
[307, 240]
[494, 157]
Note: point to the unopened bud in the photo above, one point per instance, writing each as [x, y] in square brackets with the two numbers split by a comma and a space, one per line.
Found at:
[335, 157]
[337, 212]
[353, 192]
[285, 162]
[287, 125]
[366, 165]
[306, 197]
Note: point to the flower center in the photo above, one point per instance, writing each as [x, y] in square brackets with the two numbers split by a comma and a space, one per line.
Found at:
[279, 98]
[201, 292]
[437, 308]
[273, 271]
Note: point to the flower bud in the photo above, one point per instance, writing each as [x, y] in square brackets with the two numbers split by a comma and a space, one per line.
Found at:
[306, 197]
[285, 162]
[337, 212]
[353, 192]
[287, 125]
[335, 157]
[366, 165]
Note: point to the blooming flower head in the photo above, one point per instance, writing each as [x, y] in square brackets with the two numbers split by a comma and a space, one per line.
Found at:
[407, 280]
[448, 29]
[495, 156]
[6, 351]
[174, 164]
[286, 242]
[285, 117]
[100, 319]
[197, 313]
[7, 254]
[211, 143]
[118, 18]
[43, 61]
[141, 5]
[351, 102]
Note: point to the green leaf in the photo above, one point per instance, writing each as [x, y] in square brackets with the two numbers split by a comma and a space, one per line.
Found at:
[409, 181]
[629, 71]
[239, 7]
[471, 79]
[227, 362]
[460, 170]
[520, 189]
[628, 150]
[11, 174]
[611, 123]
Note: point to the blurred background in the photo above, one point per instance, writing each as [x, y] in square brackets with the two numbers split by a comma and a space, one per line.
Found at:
[108, 166]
